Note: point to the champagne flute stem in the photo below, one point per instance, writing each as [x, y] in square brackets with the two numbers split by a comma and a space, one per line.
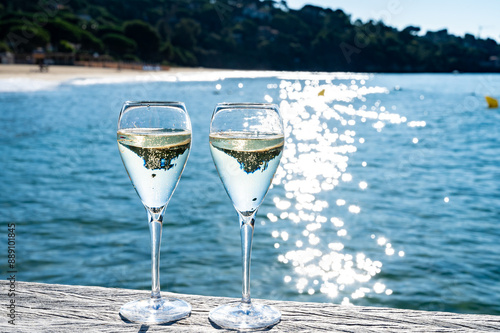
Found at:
[155, 229]
[246, 232]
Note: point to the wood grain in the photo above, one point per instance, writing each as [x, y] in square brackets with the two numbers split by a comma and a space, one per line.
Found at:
[62, 308]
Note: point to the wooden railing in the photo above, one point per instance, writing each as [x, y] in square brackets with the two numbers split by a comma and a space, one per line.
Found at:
[62, 308]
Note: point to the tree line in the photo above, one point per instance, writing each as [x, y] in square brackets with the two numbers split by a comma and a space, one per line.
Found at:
[240, 34]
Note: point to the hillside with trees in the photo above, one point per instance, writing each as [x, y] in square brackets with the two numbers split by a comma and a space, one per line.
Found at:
[239, 34]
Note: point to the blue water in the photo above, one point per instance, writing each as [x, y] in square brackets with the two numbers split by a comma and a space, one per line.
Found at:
[388, 193]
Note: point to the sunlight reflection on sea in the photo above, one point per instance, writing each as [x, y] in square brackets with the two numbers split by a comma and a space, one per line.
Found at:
[321, 137]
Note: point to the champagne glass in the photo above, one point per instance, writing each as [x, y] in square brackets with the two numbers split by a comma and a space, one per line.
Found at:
[246, 142]
[154, 139]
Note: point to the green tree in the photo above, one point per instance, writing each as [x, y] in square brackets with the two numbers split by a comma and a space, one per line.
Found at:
[62, 30]
[186, 34]
[27, 38]
[7, 24]
[177, 56]
[90, 43]
[146, 38]
[105, 29]
[118, 45]
[291, 24]
[65, 46]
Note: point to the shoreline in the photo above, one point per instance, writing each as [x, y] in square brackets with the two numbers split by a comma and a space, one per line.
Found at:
[60, 73]
[26, 78]
[63, 73]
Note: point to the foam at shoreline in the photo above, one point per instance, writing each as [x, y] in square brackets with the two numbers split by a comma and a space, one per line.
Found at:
[26, 85]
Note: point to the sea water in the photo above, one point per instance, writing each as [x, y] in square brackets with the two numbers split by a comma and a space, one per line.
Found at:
[388, 192]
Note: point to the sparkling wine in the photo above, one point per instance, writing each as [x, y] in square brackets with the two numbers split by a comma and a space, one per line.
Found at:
[246, 163]
[154, 160]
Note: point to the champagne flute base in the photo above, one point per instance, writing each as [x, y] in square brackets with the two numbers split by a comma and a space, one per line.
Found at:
[238, 315]
[155, 311]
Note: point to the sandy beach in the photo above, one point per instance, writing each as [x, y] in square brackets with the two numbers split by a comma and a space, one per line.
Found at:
[29, 78]
[65, 73]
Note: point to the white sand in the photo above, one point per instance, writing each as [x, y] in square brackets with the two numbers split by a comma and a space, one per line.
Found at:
[65, 73]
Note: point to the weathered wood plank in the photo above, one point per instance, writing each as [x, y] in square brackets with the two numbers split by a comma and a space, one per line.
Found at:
[61, 308]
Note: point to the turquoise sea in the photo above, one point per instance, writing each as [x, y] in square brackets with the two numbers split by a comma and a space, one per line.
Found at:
[388, 193]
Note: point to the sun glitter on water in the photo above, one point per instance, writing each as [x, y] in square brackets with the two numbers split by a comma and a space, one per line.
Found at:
[320, 131]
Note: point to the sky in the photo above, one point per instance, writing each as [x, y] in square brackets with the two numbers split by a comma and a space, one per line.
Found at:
[479, 17]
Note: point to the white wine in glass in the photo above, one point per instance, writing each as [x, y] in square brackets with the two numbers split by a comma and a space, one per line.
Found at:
[246, 142]
[154, 140]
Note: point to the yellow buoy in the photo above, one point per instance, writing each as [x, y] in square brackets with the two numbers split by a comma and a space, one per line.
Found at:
[492, 102]
[321, 93]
